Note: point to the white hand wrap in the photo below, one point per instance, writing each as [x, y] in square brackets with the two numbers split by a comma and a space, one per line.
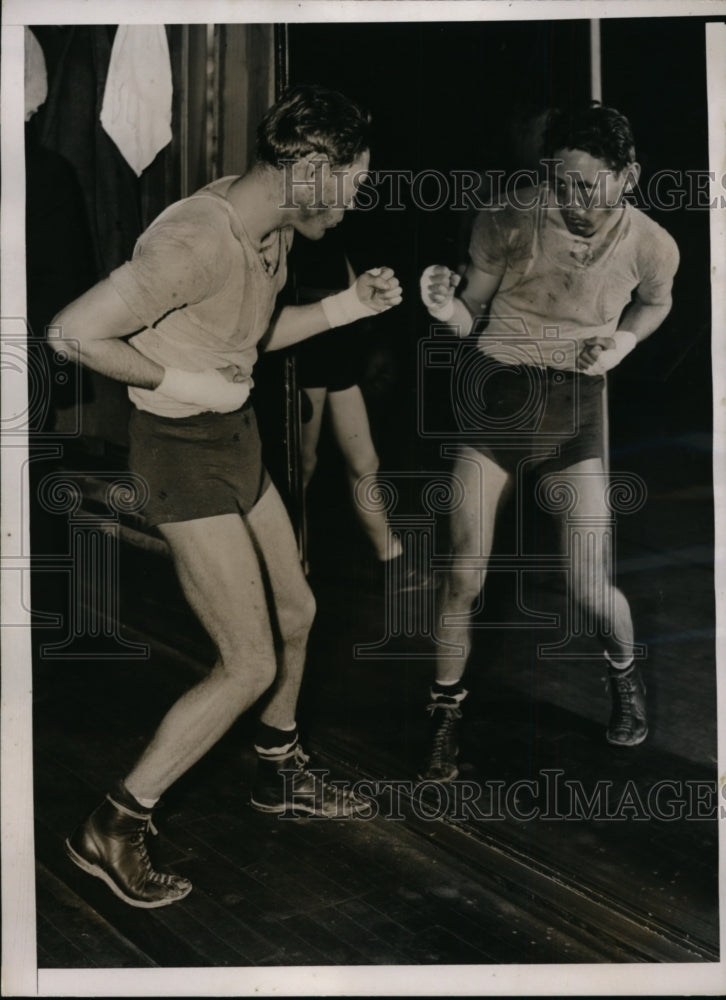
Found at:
[625, 341]
[208, 389]
[345, 307]
[439, 310]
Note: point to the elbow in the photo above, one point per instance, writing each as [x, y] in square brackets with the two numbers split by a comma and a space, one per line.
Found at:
[60, 339]
[54, 332]
[667, 306]
[664, 311]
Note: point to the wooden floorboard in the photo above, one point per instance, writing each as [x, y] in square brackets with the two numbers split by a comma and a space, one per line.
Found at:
[271, 892]
[78, 931]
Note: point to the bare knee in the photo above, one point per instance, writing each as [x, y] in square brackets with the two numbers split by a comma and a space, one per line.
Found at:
[594, 593]
[244, 682]
[308, 464]
[362, 465]
[296, 615]
[462, 587]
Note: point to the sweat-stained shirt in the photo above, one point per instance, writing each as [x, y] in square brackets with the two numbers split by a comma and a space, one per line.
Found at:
[201, 290]
[558, 289]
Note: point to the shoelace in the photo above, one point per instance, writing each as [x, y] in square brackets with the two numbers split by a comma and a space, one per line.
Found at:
[137, 841]
[301, 759]
[443, 732]
[625, 687]
[452, 710]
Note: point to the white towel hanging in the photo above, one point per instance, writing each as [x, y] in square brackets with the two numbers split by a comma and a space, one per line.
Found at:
[36, 77]
[136, 109]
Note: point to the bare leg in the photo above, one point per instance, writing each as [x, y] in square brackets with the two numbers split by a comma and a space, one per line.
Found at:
[293, 603]
[218, 560]
[220, 575]
[584, 528]
[310, 433]
[293, 610]
[472, 529]
[352, 431]
[586, 537]
[219, 570]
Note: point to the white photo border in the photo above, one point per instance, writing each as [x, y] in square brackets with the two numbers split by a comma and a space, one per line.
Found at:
[19, 963]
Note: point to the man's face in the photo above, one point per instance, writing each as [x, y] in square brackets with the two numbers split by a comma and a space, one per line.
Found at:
[326, 193]
[587, 191]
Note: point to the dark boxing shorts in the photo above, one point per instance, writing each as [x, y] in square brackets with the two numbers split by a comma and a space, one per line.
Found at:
[544, 420]
[331, 360]
[197, 466]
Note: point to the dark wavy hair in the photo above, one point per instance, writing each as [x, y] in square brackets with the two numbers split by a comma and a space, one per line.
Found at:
[312, 119]
[602, 132]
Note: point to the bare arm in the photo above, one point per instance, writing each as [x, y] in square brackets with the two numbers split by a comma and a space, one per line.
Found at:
[643, 318]
[90, 331]
[640, 318]
[478, 288]
[293, 324]
[374, 291]
[468, 297]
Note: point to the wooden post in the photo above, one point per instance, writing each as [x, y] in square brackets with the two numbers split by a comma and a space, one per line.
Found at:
[596, 95]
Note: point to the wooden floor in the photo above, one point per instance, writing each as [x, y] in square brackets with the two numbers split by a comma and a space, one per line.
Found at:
[426, 882]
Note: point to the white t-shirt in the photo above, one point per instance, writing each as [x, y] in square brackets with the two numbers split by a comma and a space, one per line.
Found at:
[557, 288]
[200, 289]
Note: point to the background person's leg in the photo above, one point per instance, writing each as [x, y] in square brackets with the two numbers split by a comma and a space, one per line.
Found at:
[349, 419]
[310, 433]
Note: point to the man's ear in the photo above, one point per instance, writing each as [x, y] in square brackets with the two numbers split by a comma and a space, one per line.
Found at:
[312, 164]
[631, 176]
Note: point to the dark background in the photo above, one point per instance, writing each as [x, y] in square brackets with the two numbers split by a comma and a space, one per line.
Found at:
[458, 97]
[444, 97]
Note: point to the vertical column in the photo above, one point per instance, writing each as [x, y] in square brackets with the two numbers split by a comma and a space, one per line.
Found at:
[93, 621]
[409, 617]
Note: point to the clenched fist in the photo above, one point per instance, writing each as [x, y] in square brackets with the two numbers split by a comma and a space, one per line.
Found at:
[379, 289]
[438, 286]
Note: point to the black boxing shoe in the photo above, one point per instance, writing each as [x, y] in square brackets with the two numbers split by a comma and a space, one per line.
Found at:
[111, 845]
[441, 762]
[284, 784]
[628, 720]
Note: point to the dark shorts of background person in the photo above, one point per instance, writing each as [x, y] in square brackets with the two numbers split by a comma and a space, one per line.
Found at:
[539, 419]
[331, 360]
[198, 466]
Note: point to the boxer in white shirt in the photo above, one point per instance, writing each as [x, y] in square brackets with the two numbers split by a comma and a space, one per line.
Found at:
[194, 302]
[572, 277]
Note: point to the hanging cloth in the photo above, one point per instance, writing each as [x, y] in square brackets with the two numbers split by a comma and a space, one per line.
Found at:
[136, 110]
[36, 77]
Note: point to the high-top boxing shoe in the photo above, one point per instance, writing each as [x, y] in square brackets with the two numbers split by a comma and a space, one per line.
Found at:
[443, 738]
[285, 784]
[628, 721]
[111, 845]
